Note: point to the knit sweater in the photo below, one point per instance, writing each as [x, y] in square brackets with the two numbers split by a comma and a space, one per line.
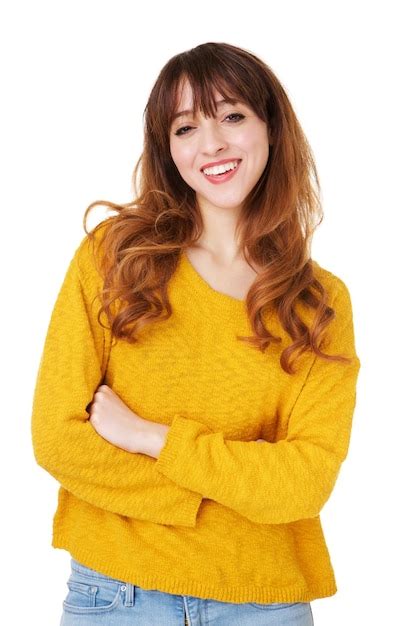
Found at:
[218, 514]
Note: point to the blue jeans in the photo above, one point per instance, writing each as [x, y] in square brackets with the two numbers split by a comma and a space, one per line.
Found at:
[95, 598]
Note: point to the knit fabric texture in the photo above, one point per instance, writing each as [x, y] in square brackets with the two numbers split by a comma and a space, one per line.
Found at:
[218, 515]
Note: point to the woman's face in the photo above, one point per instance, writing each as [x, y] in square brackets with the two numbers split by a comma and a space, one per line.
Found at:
[236, 136]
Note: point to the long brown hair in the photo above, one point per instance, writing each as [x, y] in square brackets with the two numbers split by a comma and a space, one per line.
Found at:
[142, 243]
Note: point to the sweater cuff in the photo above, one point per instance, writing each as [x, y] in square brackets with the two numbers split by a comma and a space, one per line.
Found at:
[175, 459]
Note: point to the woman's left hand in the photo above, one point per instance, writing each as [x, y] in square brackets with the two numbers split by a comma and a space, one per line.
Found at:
[115, 422]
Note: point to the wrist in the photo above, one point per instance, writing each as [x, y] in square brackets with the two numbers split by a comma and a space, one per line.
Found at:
[151, 439]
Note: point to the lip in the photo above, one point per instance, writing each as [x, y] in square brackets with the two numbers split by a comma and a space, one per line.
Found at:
[223, 178]
[214, 163]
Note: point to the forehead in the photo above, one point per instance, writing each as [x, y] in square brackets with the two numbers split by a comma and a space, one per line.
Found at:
[184, 100]
[184, 95]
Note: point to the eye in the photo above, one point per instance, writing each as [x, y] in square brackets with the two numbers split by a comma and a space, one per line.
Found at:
[183, 130]
[179, 131]
[239, 115]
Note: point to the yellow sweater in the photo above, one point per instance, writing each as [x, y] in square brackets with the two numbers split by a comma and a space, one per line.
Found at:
[218, 515]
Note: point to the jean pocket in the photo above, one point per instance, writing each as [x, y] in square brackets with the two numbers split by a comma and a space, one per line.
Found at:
[91, 592]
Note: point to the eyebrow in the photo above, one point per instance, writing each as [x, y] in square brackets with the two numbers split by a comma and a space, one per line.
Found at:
[219, 104]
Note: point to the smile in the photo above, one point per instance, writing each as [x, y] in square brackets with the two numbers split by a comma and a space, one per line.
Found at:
[222, 173]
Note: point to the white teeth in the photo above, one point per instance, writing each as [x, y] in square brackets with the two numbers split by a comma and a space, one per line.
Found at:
[220, 169]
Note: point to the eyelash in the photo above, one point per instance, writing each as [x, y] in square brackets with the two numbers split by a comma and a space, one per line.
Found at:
[241, 117]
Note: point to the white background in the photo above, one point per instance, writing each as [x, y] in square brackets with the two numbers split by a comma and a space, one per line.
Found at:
[75, 77]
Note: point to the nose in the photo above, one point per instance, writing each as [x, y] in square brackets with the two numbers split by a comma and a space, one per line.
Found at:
[212, 140]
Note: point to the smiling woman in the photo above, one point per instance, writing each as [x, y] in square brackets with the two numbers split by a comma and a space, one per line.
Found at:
[235, 133]
[190, 327]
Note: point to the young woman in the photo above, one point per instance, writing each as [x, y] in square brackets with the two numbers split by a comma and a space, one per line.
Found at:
[197, 385]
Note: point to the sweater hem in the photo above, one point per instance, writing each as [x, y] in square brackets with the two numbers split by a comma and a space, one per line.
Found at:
[241, 594]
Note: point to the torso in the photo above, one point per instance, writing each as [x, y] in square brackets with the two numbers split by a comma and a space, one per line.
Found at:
[233, 281]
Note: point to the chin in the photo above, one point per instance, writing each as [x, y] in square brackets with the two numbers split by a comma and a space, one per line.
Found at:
[222, 202]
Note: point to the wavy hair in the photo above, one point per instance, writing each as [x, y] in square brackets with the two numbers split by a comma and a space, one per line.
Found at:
[143, 241]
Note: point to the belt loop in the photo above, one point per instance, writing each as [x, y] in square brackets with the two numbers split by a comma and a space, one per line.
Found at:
[130, 594]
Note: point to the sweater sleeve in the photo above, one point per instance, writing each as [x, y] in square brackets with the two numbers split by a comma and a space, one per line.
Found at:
[287, 480]
[65, 443]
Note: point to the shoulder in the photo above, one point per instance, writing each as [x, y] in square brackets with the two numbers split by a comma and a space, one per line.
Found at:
[339, 300]
[335, 285]
[89, 251]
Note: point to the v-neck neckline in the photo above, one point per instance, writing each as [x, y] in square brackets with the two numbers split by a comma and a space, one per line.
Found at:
[207, 291]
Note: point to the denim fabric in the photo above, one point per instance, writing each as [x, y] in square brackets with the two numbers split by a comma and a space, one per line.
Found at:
[95, 598]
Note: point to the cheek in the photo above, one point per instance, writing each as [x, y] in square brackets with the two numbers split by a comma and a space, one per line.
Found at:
[174, 154]
[182, 157]
[255, 142]
[260, 150]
